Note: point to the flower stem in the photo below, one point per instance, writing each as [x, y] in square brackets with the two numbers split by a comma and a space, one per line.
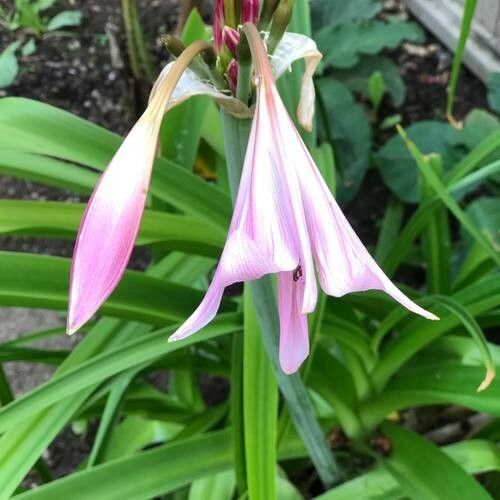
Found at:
[294, 392]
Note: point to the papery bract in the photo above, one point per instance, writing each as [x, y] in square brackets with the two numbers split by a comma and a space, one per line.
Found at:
[285, 220]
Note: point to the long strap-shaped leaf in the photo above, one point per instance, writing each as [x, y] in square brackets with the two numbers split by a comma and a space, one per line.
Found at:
[41, 281]
[61, 220]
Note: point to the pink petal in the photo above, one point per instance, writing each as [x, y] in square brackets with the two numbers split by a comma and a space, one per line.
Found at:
[111, 222]
[241, 260]
[294, 339]
[281, 130]
[344, 264]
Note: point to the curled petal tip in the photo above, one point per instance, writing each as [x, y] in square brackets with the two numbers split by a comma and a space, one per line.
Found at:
[490, 375]
[433, 317]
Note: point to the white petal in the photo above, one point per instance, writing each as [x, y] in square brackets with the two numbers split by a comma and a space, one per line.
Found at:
[292, 47]
[190, 85]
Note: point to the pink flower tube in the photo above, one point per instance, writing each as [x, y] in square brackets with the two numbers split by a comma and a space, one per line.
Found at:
[111, 220]
[286, 221]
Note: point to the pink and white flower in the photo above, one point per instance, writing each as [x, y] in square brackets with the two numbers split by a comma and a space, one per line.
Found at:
[287, 222]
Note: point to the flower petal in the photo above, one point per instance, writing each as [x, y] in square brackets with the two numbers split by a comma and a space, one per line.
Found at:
[241, 260]
[111, 222]
[292, 47]
[344, 264]
[190, 85]
[281, 130]
[294, 338]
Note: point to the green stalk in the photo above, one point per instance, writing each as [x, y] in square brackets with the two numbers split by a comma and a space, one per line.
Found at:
[236, 412]
[469, 9]
[236, 133]
[133, 55]
[259, 386]
[140, 60]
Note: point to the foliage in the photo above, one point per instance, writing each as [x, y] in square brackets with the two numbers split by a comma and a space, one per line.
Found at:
[370, 359]
[351, 39]
[28, 16]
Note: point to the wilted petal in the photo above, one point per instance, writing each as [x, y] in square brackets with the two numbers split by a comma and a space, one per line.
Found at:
[292, 47]
[344, 264]
[111, 222]
[294, 339]
[190, 85]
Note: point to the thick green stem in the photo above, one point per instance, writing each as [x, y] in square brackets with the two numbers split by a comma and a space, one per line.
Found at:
[236, 133]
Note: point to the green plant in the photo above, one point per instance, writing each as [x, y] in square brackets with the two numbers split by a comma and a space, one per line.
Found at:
[370, 359]
[27, 15]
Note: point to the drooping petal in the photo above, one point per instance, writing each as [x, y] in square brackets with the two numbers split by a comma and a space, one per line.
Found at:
[241, 260]
[281, 126]
[292, 47]
[294, 337]
[260, 239]
[111, 222]
[344, 264]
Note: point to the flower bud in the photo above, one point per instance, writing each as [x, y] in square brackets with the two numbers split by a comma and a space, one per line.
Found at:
[250, 11]
[232, 75]
[231, 38]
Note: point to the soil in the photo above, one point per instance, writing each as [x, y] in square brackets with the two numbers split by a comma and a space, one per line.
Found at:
[76, 73]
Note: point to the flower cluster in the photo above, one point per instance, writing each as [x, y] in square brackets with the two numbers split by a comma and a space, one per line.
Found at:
[285, 221]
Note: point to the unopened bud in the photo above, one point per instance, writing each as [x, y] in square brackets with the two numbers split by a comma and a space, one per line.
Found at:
[243, 53]
[231, 39]
[250, 11]
[173, 44]
[209, 57]
[218, 23]
[281, 19]
[268, 8]
[232, 75]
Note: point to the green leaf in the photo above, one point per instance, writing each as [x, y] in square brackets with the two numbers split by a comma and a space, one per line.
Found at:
[479, 297]
[485, 214]
[433, 180]
[342, 44]
[8, 64]
[333, 12]
[259, 384]
[396, 165]
[144, 475]
[48, 132]
[30, 280]
[65, 19]
[424, 472]
[348, 129]
[357, 78]
[378, 484]
[147, 349]
[22, 445]
[376, 89]
[217, 487]
[494, 91]
[61, 220]
[29, 48]
[467, 18]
